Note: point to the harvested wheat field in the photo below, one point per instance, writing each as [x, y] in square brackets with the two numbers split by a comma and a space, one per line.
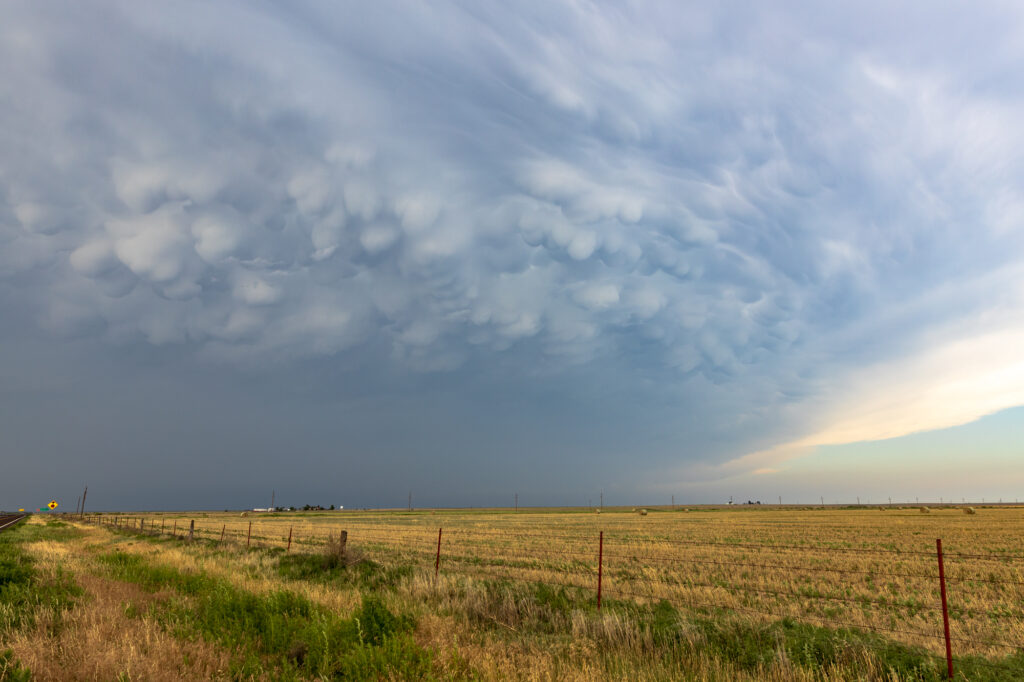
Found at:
[704, 594]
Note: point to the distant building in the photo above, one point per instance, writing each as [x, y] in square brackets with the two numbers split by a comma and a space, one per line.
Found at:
[267, 509]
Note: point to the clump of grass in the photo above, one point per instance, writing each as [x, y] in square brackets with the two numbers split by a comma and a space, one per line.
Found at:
[364, 573]
[663, 631]
[11, 670]
[283, 627]
[520, 607]
[335, 552]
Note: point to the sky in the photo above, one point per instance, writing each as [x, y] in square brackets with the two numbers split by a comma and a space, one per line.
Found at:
[348, 251]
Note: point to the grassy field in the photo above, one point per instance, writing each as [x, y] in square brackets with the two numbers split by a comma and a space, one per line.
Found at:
[719, 594]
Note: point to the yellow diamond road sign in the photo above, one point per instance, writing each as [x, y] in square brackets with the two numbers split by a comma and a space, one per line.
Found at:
[53, 504]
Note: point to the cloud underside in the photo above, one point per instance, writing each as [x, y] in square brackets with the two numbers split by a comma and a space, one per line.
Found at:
[817, 223]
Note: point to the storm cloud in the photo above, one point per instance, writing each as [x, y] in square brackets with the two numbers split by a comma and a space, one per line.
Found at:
[648, 240]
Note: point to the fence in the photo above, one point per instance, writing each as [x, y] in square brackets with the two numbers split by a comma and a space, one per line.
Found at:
[953, 604]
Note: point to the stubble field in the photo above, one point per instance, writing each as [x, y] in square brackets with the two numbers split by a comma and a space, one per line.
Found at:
[740, 593]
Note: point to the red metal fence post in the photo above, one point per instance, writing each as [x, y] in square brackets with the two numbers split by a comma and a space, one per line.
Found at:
[437, 559]
[600, 566]
[945, 609]
[289, 540]
[249, 536]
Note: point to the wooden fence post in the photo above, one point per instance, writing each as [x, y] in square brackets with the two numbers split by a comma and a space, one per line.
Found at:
[175, 531]
[437, 559]
[222, 528]
[289, 548]
[248, 538]
[191, 529]
[945, 609]
[600, 566]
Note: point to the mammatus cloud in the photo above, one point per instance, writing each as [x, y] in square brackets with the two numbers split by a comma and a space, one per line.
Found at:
[756, 206]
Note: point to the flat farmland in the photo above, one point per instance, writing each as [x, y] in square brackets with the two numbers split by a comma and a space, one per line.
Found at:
[873, 569]
[751, 592]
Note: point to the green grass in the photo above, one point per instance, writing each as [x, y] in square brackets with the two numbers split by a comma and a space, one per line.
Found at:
[22, 590]
[281, 632]
[11, 670]
[329, 569]
[676, 635]
[812, 647]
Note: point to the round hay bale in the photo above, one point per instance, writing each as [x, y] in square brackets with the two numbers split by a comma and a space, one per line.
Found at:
[244, 514]
[643, 512]
[969, 510]
[597, 511]
[925, 510]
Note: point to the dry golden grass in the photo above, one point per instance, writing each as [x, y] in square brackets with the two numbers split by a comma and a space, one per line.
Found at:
[95, 640]
[823, 566]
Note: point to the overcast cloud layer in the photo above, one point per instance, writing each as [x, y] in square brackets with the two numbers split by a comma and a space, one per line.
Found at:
[635, 244]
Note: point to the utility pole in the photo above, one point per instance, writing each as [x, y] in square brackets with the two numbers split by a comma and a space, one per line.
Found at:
[822, 500]
[83, 499]
[780, 500]
[673, 502]
[272, 494]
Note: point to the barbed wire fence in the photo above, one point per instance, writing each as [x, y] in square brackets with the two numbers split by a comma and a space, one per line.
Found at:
[622, 566]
